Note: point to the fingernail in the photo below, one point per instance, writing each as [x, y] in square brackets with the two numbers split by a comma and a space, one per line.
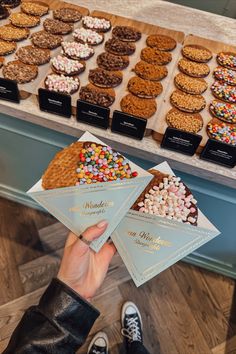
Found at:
[102, 224]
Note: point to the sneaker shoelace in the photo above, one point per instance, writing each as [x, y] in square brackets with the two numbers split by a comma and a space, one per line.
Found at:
[95, 351]
[132, 332]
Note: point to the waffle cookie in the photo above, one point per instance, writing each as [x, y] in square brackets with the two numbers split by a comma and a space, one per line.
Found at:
[226, 75]
[33, 55]
[46, 40]
[227, 59]
[144, 88]
[112, 62]
[101, 96]
[86, 163]
[11, 33]
[104, 78]
[186, 102]
[75, 50]
[193, 69]
[126, 33]
[150, 71]
[34, 8]
[118, 47]
[224, 92]
[7, 47]
[62, 84]
[224, 111]
[155, 56]
[65, 66]
[167, 196]
[98, 24]
[57, 27]
[19, 19]
[197, 53]
[67, 14]
[19, 72]
[88, 36]
[193, 85]
[161, 42]
[223, 132]
[188, 122]
[140, 107]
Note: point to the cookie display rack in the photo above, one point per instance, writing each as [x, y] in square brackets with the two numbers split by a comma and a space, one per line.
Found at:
[215, 47]
[31, 88]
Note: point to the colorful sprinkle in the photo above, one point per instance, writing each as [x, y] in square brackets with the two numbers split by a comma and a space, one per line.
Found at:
[222, 132]
[224, 111]
[224, 92]
[227, 59]
[226, 75]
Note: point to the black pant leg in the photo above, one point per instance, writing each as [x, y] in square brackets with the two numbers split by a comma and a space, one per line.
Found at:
[137, 347]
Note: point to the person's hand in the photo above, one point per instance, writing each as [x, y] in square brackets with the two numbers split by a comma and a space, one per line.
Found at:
[81, 268]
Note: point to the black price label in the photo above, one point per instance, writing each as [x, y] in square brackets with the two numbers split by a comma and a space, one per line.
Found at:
[178, 140]
[128, 125]
[54, 102]
[9, 90]
[92, 114]
[220, 153]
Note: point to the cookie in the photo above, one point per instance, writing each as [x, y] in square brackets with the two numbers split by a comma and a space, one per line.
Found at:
[117, 47]
[140, 107]
[7, 47]
[88, 36]
[19, 72]
[103, 78]
[34, 8]
[197, 53]
[167, 196]
[192, 68]
[193, 85]
[155, 56]
[33, 55]
[226, 75]
[112, 62]
[86, 163]
[150, 71]
[224, 92]
[57, 27]
[220, 131]
[63, 65]
[144, 88]
[75, 50]
[46, 40]
[96, 95]
[224, 111]
[186, 102]
[227, 59]
[10, 3]
[161, 42]
[188, 122]
[19, 19]
[67, 14]
[4, 13]
[11, 33]
[126, 33]
[98, 24]
[62, 84]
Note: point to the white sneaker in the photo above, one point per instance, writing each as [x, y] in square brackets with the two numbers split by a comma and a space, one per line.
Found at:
[99, 344]
[131, 322]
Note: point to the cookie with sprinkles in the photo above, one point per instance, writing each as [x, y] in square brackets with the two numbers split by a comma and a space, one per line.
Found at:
[104, 78]
[188, 122]
[99, 24]
[161, 42]
[34, 8]
[46, 40]
[86, 163]
[224, 92]
[187, 102]
[227, 59]
[62, 84]
[188, 84]
[63, 65]
[7, 47]
[223, 132]
[20, 19]
[193, 69]
[197, 53]
[226, 75]
[167, 196]
[11, 33]
[54, 26]
[88, 36]
[75, 50]
[224, 111]
[33, 55]
[104, 97]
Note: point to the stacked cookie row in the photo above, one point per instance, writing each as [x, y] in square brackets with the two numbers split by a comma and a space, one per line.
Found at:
[188, 99]
[108, 73]
[146, 86]
[223, 126]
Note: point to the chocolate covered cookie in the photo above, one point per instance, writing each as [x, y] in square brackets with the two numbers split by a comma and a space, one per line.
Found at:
[150, 71]
[144, 88]
[46, 40]
[227, 59]
[33, 55]
[98, 24]
[101, 96]
[57, 27]
[117, 47]
[155, 56]
[34, 8]
[161, 42]
[11, 33]
[223, 132]
[67, 14]
[75, 50]
[188, 84]
[112, 62]
[197, 53]
[193, 69]
[19, 19]
[63, 65]
[7, 47]
[62, 84]
[224, 111]
[126, 33]
[186, 102]
[88, 36]
[104, 78]
[19, 72]
[140, 107]
[224, 92]
[188, 122]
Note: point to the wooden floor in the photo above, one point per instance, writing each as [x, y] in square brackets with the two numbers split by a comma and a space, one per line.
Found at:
[185, 310]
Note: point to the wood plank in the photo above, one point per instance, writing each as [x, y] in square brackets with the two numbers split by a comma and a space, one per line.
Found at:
[227, 347]
[53, 237]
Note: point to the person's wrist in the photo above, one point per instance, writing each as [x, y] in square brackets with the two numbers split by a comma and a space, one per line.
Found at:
[79, 290]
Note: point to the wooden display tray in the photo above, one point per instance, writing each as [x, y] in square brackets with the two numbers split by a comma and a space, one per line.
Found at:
[121, 90]
[27, 89]
[215, 47]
